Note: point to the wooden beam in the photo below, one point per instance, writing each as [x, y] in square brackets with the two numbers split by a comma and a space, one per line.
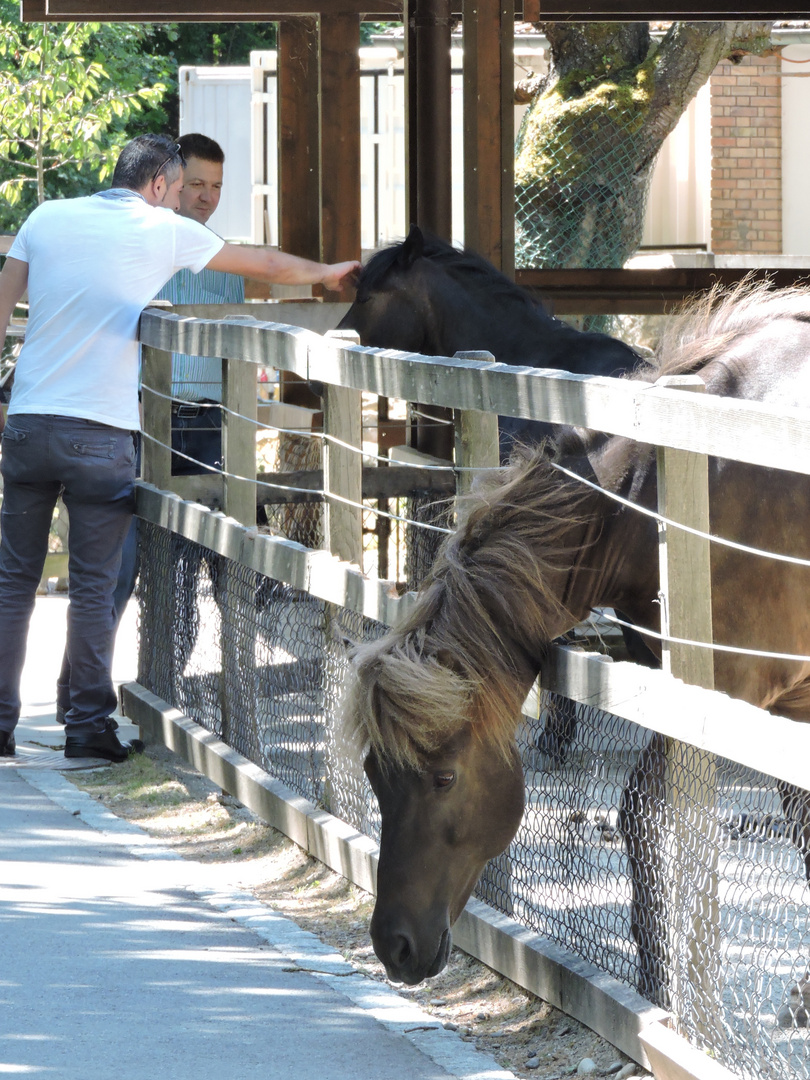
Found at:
[430, 70]
[211, 10]
[489, 188]
[299, 149]
[631, 10]
[391, 482]
[340, 137]
[33, 10]
[638, 292]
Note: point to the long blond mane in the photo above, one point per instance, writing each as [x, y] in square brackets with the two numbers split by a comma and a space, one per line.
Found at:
[460, 657]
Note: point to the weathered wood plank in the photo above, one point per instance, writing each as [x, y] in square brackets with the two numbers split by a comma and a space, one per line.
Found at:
[214, 10]
[755, 432]
[340, 137]
[489, 130]
[705, 719]
[639, 291]
[316, 572]
[689, 775]
[343, 473]
[394, 481]
[307, 314]
[239, 439]
[156, 454]
[299, 148]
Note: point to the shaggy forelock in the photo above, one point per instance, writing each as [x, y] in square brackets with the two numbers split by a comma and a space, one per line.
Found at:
[457, 660]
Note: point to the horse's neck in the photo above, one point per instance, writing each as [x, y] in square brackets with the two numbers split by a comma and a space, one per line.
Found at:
[463, 319]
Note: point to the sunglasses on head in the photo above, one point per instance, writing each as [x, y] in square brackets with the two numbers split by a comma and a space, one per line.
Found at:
[177, 149]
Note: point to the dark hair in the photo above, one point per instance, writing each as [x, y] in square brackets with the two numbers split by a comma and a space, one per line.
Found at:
[146, 157]
[200, 146]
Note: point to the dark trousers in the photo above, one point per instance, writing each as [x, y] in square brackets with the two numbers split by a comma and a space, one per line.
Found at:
[197, 434]
[92, 466]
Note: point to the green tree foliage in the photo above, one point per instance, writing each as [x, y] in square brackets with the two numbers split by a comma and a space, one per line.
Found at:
[68, 94]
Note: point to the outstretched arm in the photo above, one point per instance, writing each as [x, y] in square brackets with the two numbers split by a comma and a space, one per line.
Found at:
[13, 283]
[281, 268]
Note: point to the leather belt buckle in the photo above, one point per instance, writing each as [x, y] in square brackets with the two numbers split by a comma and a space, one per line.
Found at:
[187, 410]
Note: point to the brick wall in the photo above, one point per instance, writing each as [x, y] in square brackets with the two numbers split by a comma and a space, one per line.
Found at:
[747, 156]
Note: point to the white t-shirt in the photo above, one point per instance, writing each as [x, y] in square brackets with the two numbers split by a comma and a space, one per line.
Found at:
[93, 264]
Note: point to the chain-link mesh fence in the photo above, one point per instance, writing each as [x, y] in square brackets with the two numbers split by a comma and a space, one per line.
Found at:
[582, 174]
[678, 874]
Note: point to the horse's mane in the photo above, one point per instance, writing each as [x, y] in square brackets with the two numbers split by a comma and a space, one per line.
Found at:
[710, 324]
[459, 656]
[471, 270]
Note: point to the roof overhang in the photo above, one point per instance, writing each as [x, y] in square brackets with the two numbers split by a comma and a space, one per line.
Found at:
[271, 10]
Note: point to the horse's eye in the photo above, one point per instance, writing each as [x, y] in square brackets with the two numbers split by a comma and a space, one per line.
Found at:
[444, 779]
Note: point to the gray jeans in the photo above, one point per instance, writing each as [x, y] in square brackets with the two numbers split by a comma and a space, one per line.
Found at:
[92, 466]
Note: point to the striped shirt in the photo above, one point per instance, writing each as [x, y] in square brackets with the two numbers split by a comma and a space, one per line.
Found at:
[199, 378]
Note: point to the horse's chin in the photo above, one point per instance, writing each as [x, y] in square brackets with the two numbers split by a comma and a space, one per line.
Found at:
[439, 962]
[443, 954]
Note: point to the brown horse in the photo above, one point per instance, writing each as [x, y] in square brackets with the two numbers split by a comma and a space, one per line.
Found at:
[437, 701]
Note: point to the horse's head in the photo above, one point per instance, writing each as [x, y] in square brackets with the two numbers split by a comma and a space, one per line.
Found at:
[441, 823]
[392, 309]
[445, 770]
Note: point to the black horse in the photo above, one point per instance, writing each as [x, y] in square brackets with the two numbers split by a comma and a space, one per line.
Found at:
[425, 296]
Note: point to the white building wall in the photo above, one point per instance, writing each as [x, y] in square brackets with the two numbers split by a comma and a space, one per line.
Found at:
[795, 150]
[215, 101]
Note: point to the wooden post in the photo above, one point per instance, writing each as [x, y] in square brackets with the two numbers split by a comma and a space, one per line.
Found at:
[489, 130]
[239, 429]
[689, 773]
[299, 147]
[342, 467]
[476, 435]
[340, 138]
[156, 456]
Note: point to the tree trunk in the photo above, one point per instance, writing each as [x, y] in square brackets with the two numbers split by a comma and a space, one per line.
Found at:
[589, 140]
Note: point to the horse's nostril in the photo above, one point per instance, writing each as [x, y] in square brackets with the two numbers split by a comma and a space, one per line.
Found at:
[401, 950]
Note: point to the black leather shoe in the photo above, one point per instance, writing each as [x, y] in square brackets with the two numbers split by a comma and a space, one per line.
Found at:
[104, 744]
[8, 744]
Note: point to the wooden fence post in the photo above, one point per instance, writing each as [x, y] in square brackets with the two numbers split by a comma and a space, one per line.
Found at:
[476, 435]
[342, 467]
[156, 457]
[689, 773]
[240, 401]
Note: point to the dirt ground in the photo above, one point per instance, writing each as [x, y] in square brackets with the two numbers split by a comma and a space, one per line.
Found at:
[192, 816]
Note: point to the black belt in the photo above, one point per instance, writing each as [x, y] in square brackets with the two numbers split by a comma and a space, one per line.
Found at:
[187, 410]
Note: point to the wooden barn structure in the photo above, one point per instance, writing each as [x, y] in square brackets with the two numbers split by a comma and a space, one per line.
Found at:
[319, 118]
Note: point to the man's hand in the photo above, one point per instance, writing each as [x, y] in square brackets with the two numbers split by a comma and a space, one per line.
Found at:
[341, 275]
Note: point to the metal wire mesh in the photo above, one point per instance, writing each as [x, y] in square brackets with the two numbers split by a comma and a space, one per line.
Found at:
[582, 175]
[676, 872]
[299, 521]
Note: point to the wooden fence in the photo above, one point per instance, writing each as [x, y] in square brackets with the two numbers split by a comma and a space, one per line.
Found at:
[687, 426]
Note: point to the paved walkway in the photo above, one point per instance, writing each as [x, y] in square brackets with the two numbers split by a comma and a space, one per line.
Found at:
[122, 961]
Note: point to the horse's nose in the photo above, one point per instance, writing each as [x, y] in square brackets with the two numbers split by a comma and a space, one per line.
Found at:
[401, 951]
[397, 950]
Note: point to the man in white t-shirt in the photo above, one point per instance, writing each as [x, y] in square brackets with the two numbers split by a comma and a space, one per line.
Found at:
[90, 266]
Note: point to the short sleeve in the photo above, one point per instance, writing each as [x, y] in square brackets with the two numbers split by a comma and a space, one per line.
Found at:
[19, 247]
[195, 246]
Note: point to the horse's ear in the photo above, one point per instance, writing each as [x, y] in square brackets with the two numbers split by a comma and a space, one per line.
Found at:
[413, 247]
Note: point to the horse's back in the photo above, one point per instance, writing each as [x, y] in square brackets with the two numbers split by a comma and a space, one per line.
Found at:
[771, 365]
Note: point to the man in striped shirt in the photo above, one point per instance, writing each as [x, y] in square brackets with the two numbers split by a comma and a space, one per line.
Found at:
[197, 380]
